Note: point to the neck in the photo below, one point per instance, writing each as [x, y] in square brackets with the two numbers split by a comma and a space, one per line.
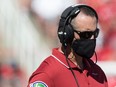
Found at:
[77, 60]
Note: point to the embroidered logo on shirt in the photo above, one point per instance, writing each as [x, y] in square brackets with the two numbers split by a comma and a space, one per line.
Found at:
[95, 74]
[38, 84]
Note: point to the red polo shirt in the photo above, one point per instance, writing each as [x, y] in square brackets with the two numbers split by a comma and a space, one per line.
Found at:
[55, 72]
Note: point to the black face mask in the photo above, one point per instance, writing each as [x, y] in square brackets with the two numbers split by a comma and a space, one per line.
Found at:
[84, 47]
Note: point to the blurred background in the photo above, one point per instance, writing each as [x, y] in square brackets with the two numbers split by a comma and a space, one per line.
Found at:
[28, 32]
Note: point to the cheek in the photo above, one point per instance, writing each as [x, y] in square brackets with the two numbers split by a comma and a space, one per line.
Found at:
[92, 37]
[76, 36]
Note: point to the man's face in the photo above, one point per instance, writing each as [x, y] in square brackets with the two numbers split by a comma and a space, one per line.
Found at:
[84, 23]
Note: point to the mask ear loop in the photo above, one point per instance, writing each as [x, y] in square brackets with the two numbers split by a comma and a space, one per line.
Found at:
[95, 57]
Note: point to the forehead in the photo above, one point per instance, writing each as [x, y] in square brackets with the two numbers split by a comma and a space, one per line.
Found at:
[84, 22]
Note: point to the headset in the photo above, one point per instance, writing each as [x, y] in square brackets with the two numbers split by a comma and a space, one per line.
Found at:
[65, 29]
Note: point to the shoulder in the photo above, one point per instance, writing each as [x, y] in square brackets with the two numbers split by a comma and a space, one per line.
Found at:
[43, 74]
[40, 79]
[48, 68]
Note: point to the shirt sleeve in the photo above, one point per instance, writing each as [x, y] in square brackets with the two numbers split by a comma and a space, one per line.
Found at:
[40, 80]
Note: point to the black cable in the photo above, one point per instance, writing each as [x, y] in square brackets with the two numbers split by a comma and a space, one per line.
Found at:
[71, 69]
[65, 53]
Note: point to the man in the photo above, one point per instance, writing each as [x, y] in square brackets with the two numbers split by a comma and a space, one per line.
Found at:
[70, 65]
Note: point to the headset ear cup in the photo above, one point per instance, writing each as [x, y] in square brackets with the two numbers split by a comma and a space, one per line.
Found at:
[67, 36]
[60, 34]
